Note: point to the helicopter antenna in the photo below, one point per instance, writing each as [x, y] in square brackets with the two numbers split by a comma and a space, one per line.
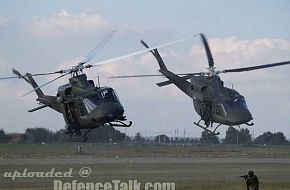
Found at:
[99, 81]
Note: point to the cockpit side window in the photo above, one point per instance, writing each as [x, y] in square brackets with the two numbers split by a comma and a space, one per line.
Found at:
[82, 108]
[220, 110]
[95, 99]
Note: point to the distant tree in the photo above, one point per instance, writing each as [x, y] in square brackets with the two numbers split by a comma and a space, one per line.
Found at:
[278, 139]
[208, 138]
[138, 138]
[106, 134]
[271, 138]
[161, 139]
[244, 136]
[231, 136]
[194, 140]
[234, 136]
[38, 135]
[60, 136]
[3, 137]
[264, 138]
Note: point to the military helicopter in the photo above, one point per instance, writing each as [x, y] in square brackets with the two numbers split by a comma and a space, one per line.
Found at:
[84, 105]
[213, 102]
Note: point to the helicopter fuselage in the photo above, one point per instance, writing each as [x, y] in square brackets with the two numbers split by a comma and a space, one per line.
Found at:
[228, 107]
[82, 104]
[86, 106]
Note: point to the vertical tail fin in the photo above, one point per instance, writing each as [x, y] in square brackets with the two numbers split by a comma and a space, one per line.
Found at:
[29, 79]
[157, 56]
[180, 82]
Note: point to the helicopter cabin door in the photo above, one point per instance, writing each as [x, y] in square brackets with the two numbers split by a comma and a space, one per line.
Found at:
[206, 111]
[219, 110]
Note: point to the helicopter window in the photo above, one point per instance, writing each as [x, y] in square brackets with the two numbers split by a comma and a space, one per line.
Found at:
[95, 99]
[220, 110]
[242, 102]
[109, 95]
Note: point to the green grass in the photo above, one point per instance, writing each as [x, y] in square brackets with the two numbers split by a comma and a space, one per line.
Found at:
[185, 176]
[195, 176]
[126, 150]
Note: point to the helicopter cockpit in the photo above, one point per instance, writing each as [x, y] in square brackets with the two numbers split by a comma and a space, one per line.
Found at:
[109, 95]
[103, 95]
[235, 98]
[242, 102]
[239, 99]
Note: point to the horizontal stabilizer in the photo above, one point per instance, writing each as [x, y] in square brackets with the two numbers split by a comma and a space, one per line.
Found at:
[168, 82]
[37, 108]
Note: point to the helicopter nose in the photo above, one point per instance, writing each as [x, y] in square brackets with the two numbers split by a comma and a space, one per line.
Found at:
[107, 112]
[114, 111]
[244, 116]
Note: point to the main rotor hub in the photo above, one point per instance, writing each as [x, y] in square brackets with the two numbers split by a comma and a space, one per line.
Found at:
[76, 70]
[212, 71]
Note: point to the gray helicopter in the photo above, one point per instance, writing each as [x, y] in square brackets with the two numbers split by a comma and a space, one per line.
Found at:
[213, 102]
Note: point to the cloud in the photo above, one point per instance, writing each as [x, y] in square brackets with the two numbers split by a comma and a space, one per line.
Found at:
[232, 52]
[3, 20]
[65, 23]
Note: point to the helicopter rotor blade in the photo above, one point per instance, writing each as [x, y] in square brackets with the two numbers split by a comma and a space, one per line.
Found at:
[12, 77]
[91, 54]
[135, 76]
[49, 73]
[242, 69]
[19, 75]
[141, 51]
[36, 74]
[46, 84]
[186, 75]
[207, 50]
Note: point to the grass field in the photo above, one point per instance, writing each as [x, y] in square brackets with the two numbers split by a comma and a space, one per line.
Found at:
[186, 176]
[129, 150]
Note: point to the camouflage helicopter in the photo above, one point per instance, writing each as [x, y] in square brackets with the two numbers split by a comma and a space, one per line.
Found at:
[84, 105]
[213, 102]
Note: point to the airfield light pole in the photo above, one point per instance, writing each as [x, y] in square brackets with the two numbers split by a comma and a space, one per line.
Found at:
[237, 136]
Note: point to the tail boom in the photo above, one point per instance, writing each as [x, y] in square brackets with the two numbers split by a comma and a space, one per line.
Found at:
[180, 82]
[47, 101]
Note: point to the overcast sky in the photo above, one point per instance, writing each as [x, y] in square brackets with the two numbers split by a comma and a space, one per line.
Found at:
[40, 37]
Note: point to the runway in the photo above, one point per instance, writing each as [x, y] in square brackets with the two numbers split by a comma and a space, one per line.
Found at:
[92, 161]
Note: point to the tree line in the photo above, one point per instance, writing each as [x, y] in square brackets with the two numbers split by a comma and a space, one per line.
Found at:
[243, 136]
[42, 135]
[110, 135]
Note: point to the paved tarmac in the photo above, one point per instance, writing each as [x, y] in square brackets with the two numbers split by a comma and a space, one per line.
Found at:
[144, 161]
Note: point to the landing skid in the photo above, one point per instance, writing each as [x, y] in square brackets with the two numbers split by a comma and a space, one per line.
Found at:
[206, 128]
[249, 124]
[120, 124]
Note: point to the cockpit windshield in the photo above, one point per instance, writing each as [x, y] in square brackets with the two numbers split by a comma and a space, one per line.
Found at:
[95, 99]
[109, 95]
[236, 98]
[103, 95]
[241, 100]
